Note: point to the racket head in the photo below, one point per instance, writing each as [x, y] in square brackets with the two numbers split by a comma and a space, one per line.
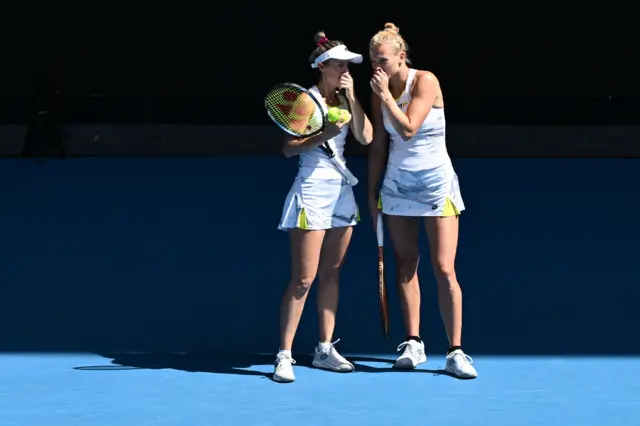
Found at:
[295, 110]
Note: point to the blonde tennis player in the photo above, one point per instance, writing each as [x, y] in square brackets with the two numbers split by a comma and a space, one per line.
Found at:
[320, 211]
[420, 188]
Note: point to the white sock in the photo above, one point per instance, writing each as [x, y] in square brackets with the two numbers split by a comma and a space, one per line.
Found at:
[324, 346]
[284, 352]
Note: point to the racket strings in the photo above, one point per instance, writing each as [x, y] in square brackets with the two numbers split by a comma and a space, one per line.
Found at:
[294, 110]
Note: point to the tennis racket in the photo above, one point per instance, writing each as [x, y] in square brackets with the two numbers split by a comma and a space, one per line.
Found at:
[382, 283]
[297, 112]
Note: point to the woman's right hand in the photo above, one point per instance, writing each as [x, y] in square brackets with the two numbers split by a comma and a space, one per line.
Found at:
[331, 130]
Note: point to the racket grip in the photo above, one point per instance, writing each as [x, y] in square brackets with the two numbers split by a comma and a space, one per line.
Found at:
[380, 230]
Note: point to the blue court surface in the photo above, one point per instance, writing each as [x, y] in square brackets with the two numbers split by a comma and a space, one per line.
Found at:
[106, 261]
[176, 389]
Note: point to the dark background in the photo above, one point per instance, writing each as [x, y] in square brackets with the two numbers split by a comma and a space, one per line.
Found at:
[147, 253]
[513, 65]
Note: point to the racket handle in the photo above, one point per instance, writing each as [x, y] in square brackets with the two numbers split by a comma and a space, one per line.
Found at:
[380, 230]
[353, 181]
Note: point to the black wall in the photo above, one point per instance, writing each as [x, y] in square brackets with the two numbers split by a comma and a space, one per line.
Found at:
[185, 65]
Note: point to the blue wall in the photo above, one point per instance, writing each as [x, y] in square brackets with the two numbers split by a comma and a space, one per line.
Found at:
[173, 254]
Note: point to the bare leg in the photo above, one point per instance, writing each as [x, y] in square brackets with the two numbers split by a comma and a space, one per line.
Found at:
[443, 242]
[305, 256]
[404, 232]
[334, 249]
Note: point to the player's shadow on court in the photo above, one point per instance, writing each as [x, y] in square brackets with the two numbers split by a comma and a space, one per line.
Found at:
[389, 367]
[239, 364]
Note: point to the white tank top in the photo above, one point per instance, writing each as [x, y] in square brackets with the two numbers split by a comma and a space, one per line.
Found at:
[427, 148]
[316, 163]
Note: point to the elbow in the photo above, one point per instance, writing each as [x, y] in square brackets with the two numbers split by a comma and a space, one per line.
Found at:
[366, 138]
[408, 134]
[287, 151]
[409, 130]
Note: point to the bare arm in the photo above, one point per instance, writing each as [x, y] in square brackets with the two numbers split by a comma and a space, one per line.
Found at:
[360, 124]
[378, 150]
[423, 96]
[295, 146]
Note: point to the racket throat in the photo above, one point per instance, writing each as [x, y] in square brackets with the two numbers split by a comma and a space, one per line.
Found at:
[328, 150]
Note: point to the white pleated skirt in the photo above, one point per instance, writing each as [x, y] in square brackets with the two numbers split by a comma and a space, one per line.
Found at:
[319, 203]
[430, 192]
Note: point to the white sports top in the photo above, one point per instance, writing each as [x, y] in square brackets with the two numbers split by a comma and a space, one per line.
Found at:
[315, 163]
[427, 148]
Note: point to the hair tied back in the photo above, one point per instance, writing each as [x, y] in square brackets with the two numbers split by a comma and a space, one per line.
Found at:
[391, 27]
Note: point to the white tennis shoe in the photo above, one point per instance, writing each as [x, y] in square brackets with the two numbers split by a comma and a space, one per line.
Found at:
[459, 365]
[328, 358]
[283, 369]
[412, 356]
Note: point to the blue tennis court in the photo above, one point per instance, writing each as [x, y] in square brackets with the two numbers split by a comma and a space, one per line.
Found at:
[129, 257]
[177, 389]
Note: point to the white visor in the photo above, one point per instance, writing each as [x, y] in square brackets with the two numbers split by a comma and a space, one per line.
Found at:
[340, 53]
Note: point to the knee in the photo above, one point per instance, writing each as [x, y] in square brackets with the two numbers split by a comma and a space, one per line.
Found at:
[301, 285]
[329, 275]
[445, 272]
[407, 265]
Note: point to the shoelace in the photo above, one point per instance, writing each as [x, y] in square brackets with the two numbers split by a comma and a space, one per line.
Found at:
[464, 356]
[409, 349]
[333, 352]
[283, 357]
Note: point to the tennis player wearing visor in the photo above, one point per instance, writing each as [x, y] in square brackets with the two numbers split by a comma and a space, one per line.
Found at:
[320, 210]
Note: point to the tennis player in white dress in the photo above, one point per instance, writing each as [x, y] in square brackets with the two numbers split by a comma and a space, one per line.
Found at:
[320, 211]
[419, 188]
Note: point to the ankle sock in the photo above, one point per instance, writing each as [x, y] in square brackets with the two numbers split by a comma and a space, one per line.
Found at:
[453, 348]
[414, 338]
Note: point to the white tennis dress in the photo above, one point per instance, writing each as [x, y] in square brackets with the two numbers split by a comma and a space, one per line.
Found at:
[420, 179]
[320, 197]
